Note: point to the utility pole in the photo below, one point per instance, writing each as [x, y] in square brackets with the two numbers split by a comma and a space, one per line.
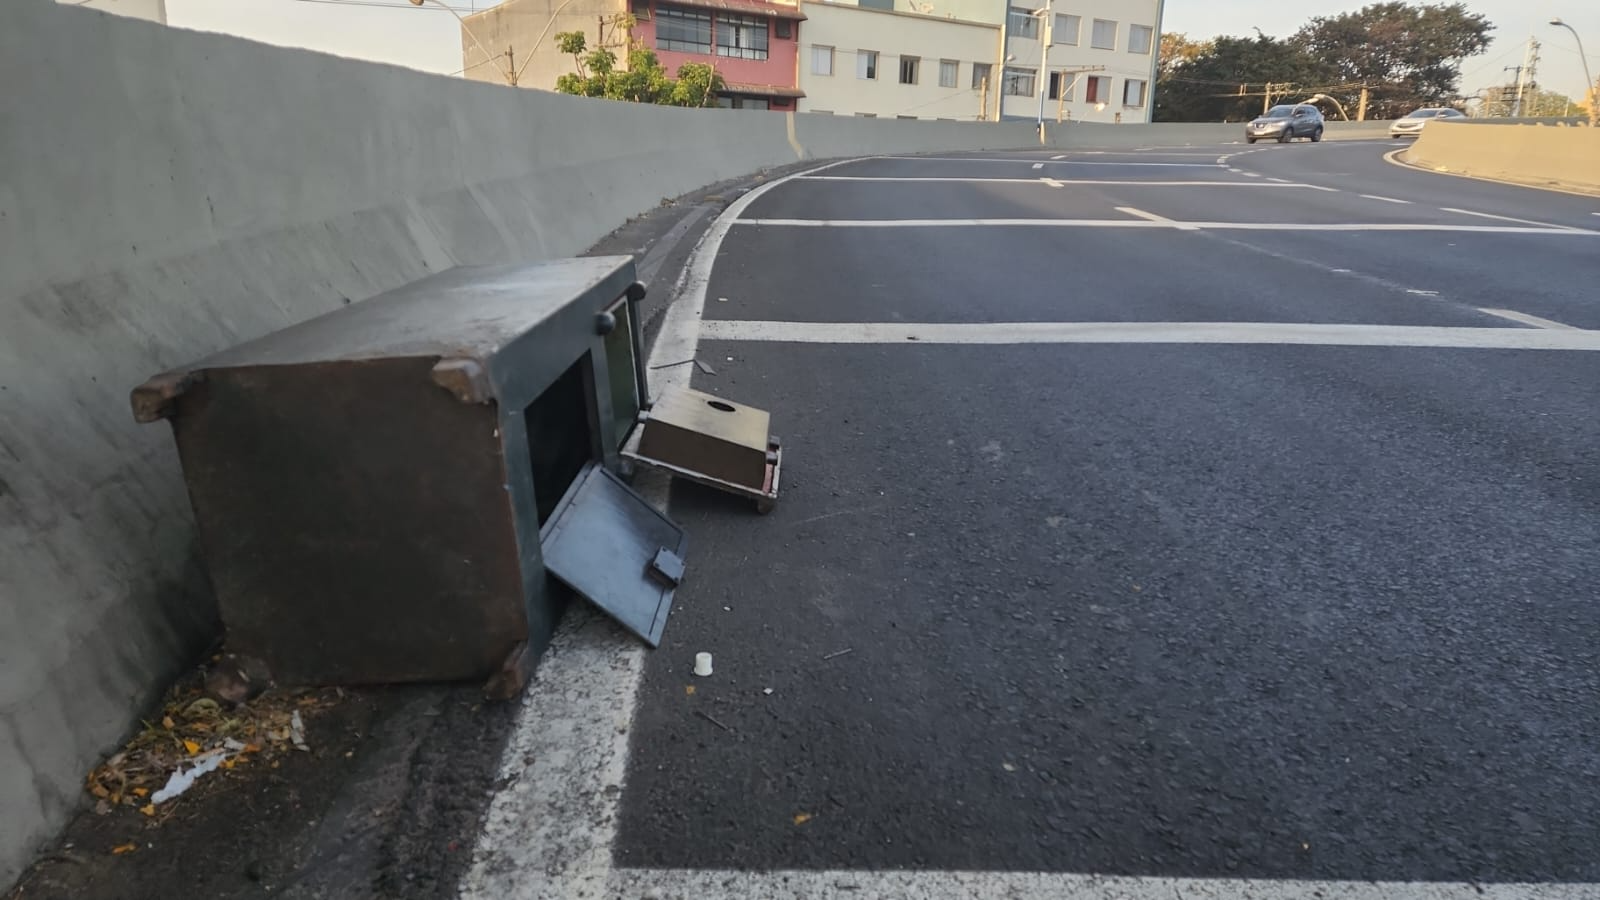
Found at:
[1361, 111]
[1525, 72]
[1266, 99]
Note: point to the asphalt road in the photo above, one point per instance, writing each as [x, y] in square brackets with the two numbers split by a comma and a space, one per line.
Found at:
[1263, 610]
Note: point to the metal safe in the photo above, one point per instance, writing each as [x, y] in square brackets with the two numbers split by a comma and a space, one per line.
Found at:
[382, 490]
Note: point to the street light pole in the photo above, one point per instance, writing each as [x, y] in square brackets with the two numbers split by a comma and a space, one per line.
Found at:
[1589, 98]
[510, 75]
[1044, 58]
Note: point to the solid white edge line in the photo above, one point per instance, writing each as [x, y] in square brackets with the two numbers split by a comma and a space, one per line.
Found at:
[1169, 223]
[1528, 319]
[1059, 162]
[1106, 181]
[966, 885]
[913, 334]
[1384, 199]
[549, 831]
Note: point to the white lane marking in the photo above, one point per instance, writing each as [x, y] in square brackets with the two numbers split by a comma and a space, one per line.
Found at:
[1061, 162]
[1150, 333]
[1484, 215]
[1421, 293]
[1122, 181]
[1059, 156]
[1527, 319]
[550, 831]
[810, 884]
[1052, 182]
[1123, 223]
[1384, 199]
[1594, 214]
[1279, 180]
[1252, 174]
[1235, 171]
[1318, 187]
[1038, 165]
[1152, 217]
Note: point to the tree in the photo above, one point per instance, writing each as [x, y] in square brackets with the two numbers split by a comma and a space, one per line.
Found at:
[644, 80]
[1408, 55]
[1225, 79]
[1176, 49]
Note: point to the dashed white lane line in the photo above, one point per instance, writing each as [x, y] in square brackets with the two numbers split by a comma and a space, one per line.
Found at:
[1279, 180]
[1422, 293]
[1038, 165]
[1052, 182]
[910, 334]
[1484, 215]
[1384, 199]
[1165, 223]
[1152, 217]
[1252, 174]
[1527, 319]
[1318, 187]
[1059, 156]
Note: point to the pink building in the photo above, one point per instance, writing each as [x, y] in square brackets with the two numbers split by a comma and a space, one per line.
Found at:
[753, 45]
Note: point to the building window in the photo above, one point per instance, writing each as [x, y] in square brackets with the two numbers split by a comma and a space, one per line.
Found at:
[1140, 37]
[1133, 93]
[949, 71]
[908, 69]
[782, 28]
[1023, 24]
[685, 30]
[1066, 30]
[1105, 35]
[1020, 82]
[822, 60]
[741, 37]
[641, 10]
[1097, 89]
[867, 64]
[1061, 83]
[980, 76]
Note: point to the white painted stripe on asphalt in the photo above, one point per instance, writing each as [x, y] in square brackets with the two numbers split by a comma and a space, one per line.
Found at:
[1061, 162]
[550, 830]
[1059, 156]
[1278, 180]
[1484, 215]
[1527, 319]
[1318, 187]
[1052, 182]
[1150, 333]
[1122, 181]
[1038, 165]
[1384, 199]
[1123, 223]
[904, 885]
[1252, 174]
[1152, 217]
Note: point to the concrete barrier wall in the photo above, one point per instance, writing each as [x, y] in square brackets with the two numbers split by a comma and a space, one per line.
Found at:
[1547, 155]
[169, 193]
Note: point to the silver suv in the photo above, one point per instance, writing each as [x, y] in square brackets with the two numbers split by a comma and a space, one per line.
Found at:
[1285, 123]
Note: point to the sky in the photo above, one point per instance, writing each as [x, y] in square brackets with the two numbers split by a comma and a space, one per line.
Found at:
[428, 37]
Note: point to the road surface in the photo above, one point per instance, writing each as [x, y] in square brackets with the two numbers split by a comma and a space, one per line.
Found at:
[1169, 515]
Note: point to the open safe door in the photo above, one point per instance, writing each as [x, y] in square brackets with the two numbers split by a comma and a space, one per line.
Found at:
[617, 551]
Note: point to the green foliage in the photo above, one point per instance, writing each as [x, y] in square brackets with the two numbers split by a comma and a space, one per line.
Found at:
[1205, 88]
[1409, 55]
[644, 80]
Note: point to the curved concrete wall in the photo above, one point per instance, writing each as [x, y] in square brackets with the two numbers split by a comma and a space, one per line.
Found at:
[1544, 155]
[169, 193]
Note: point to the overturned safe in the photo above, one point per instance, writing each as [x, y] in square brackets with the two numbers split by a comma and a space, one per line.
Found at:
[382, 491]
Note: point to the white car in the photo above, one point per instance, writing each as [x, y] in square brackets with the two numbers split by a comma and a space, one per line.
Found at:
[1411, 125]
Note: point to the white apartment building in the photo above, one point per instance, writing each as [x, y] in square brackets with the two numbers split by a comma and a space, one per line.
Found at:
[865, 61]
[1101, 65]
[943, 59]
